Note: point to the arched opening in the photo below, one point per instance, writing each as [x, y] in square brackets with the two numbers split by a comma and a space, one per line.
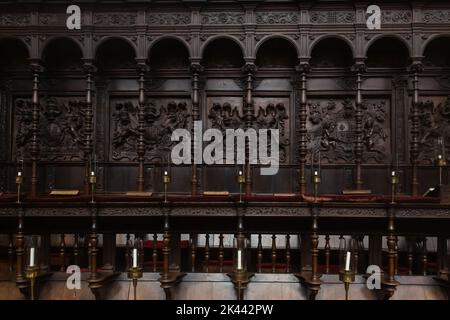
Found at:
[169, 54]
[276, 53]
[13, 55]
[388, 52]
[331, 53]
[115, 54]
[437, 53]
[62, 54]
[223, 53]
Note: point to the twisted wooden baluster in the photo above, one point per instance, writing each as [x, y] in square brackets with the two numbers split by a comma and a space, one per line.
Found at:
[327, 254]
[207, 253]
[260, 253]
[193, 238]
[288, 253]
[155, 251]
[221, 254]
[274, 253]
[62, 252]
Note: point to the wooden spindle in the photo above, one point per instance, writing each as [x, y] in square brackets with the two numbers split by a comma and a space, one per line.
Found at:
[424, 256]
[274, 253]
[93, 251]
[355, 254]
[288, 253]
[396, 255]
[193, 238]
[327, 254]
[11, 253]
[62, 253]
[76, 249]
[155, 252]
[207, 248]
[410, 245]
[221, 252]
[301, 70]
[141, 251]
[260, 254]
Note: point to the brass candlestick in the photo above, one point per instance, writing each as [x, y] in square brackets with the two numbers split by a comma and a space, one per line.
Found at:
[241, 181]
[316, 181]
[440, 162]
[135, 273]
[394, 182]
[31, 273]
[19, 181]
[240, 277]
[166, 181]
[92, 181]
[347, 277]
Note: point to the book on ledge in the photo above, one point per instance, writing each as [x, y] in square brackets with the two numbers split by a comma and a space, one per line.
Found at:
[59, 192]
[216, 193]
[353, 192]
[139, 194]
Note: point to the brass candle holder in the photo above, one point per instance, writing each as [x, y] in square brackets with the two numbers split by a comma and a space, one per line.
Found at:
[316, 181]
[19, 181]
[240, 277]
[31, 272]
[135, 273]
[441, 162]
[347, 277]
[394, 182]
[92, 182]
[166, 181]
[241, 181]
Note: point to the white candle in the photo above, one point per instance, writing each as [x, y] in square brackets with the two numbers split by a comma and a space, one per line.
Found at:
[316, 173]
[134, 258]
[19, 174]
[31, 257]
[239, 259]
[347, 261]
[439, 157]
[92, 173]
[393, 173]
[240, 172]
[165, 173]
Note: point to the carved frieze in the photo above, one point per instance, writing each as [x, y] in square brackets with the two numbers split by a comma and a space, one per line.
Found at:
[168, 18]
[331, 129]
[436, 16]
[270, 17]
[222, 18]
[434, 125]
[332, 17]
[61, 126]
[161, 118]
[396, 16]
[13, 19]
[114, 19]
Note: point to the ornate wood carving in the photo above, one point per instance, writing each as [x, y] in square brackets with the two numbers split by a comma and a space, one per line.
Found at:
[332, 129]
[161, 18]
[332, 17]
[161, 118]
[436, 16]
[271, 17]
[15, 19]
[114, 19]
[222, 18]
[396, 16]
[61, 128]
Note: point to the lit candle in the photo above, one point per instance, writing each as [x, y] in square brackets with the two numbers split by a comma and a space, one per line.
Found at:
[239, 259]
[240, 172]
[19, 174]
[347, 261]
[316, 173]
[134, 258]
[31, 257]
[165, 173]
[439, 157]
[92, 173]
[393, 173]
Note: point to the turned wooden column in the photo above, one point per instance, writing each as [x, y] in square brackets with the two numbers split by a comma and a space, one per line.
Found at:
[358, 69]
[315, 277]
[20, 250]
[301, 70]
[34, 149]
[196, 70]
[93, 244]
[142, 68]
[414, 143]
[88, 125]
[249, 69]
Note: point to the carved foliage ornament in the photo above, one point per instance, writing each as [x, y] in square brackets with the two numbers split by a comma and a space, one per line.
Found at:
[223, 18]
[14, 19]
[159, 123]
[61, 128]
[436, 16]
[331, 129]
[169, 18]
[114, 19]
[396, 16]
[276, 17]
[331, 17]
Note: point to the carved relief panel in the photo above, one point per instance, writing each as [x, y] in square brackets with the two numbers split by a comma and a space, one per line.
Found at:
[61, 128]
[161, 117]
[331, 129]
[434, 125]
